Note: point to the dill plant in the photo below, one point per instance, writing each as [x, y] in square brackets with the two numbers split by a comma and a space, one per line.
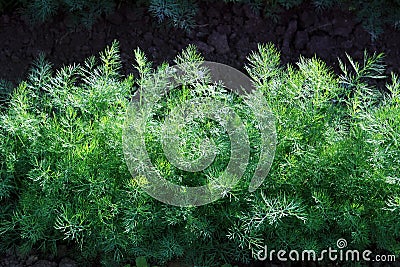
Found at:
[177, 13]
[335, 174]
[326, 159]
[61, 169]
[79, 11]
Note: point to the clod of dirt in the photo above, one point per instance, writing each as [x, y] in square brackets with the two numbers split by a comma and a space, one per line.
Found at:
[219, 41]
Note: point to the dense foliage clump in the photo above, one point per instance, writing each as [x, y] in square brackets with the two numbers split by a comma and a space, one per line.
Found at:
[63, 176]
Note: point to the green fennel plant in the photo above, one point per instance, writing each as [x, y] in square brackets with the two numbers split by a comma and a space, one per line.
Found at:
[63, 176]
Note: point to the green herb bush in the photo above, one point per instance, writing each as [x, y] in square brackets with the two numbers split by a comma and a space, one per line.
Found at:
[177, 13]
[335, 174]
[80, 11]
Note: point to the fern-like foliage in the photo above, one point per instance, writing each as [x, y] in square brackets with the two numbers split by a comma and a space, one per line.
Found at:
[178, 13]
[356, 81]
[80, 12]
[64, 178]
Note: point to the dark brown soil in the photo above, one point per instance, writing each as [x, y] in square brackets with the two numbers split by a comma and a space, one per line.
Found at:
[224, 33]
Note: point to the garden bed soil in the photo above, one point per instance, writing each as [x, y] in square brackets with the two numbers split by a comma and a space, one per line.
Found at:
[224, 33]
